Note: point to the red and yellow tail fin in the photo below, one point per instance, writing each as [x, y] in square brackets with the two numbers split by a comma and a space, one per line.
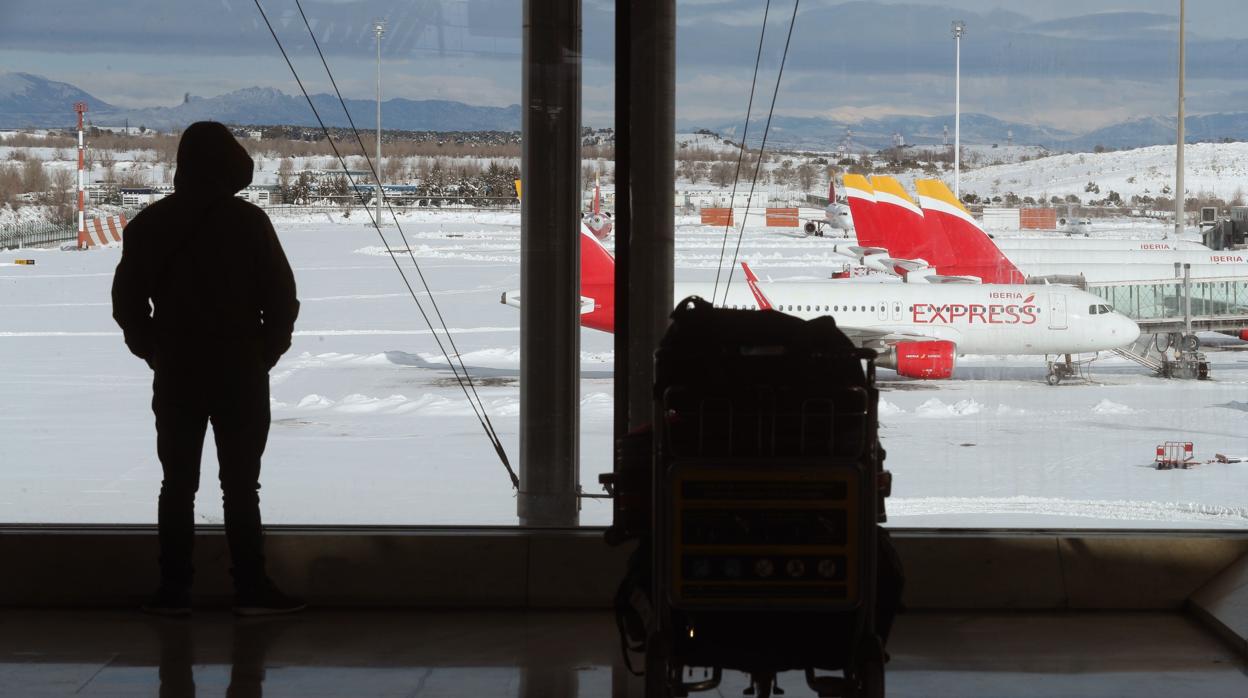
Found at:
[901, 220]
[861, 197]
[973, 252]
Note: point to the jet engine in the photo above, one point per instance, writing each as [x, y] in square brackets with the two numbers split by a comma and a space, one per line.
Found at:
[928, 360]
[599, 224]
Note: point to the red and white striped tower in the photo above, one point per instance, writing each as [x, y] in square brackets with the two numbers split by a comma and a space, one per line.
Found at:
[81, 108]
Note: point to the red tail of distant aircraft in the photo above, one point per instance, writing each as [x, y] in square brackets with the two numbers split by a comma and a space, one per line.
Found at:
[599, 223]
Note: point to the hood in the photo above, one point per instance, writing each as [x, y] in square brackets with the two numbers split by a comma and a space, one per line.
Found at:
[211, 163]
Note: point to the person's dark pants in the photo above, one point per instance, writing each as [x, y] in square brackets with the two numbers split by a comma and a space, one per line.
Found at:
[234, 397]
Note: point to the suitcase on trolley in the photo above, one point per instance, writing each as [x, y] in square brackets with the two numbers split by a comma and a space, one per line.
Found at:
[766, 495]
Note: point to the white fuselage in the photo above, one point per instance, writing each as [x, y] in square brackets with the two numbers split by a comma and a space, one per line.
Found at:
[1079, 245]
[978, 319]
[1124, 265]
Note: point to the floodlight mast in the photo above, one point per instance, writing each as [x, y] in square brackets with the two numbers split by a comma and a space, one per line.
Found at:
[1178, 147]
[379, 27]
[959, 29]
[81, 108]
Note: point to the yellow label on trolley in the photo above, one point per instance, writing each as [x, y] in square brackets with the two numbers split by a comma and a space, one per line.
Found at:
[767, 536]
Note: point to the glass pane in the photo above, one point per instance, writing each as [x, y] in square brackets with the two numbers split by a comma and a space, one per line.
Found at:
[1066, 158]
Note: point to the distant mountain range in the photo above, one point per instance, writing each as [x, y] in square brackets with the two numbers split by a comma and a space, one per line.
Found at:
[30, 100]
[33, 101]
[873, 134]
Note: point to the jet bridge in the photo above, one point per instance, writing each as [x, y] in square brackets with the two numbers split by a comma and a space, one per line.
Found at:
[1171, 311]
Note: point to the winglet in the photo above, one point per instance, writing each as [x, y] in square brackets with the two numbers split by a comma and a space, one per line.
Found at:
[752, 281]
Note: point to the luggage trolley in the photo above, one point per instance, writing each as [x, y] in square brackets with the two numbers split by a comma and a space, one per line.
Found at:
[767, 490]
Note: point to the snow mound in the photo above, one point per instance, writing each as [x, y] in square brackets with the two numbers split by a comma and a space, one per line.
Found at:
[428, 252]
[314, 402]
[1004, 410]
[363, 404]
[936, 408]
[888, 409]
[1111, 407]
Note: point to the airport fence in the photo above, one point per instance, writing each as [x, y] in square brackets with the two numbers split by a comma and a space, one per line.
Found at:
[36, 234]
[42, 233]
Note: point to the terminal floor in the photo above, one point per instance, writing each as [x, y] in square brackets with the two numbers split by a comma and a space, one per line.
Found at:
[482, 654]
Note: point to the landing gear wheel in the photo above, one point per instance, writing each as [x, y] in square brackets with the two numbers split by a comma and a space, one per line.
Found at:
[1190, 342]
[1053, 378]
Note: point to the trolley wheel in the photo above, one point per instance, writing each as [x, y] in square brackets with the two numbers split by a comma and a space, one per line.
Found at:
[658, 670]
[1161, 342]
[871, 679]
[1053, 378]
[1191, 342]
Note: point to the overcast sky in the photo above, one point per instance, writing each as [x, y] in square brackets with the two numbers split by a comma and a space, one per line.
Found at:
[1074, 64]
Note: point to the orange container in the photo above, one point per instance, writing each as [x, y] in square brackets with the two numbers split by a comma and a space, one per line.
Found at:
[782, 218]
[1037, 218]
[717, 216]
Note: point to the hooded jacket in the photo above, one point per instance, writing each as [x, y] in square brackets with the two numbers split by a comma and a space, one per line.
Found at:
[203, 279]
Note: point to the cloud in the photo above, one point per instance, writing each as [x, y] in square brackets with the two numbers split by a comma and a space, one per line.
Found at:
[1073, 63]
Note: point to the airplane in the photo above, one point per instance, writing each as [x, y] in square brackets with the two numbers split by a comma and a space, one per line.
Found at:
[599, 223]
[918, 330]
[895, 237]
[971, 245]
[836, 216]
[1024, 242]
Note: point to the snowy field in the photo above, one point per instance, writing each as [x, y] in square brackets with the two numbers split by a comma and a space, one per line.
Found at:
[370, 428]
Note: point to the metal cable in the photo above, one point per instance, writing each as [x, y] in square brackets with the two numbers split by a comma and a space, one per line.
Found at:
[762, 148]
[745, 132]
[464, 380]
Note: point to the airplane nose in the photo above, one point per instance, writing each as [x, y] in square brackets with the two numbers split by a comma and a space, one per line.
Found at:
[1127, 330]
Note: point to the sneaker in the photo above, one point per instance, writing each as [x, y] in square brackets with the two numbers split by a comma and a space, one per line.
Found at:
[266, 600]
[169, 601]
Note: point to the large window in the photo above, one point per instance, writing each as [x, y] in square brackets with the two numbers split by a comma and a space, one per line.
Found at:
[1067, 159]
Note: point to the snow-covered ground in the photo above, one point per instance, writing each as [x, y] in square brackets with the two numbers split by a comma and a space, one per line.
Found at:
[1220, 169]
[370, 428]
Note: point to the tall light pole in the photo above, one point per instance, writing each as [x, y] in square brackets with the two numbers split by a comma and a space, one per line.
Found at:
[959, 28]
[379, 27]
[1178, 147]
[81, 108]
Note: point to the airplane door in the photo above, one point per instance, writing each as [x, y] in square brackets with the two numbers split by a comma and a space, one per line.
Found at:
[1057, 311]
[896, 311]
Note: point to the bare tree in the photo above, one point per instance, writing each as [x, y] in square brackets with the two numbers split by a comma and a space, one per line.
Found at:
[109, 162]
[285, 169]
[134, 177]
[61, 195]
[10, 185]
[806, 176]
[34, 179]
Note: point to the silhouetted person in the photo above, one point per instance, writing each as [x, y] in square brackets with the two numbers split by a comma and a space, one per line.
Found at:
[205, 296]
